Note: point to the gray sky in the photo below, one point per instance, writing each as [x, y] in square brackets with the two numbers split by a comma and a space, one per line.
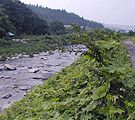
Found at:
[105, 11]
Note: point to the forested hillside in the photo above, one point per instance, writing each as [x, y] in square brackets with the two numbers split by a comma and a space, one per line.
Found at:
[17, 18]
[63, 16]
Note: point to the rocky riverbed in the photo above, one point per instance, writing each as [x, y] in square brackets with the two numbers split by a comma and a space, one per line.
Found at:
[20, 74]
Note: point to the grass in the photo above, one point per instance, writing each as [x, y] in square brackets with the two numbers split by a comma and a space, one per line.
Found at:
[86, 90]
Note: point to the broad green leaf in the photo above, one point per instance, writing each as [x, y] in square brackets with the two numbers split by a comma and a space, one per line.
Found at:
[101, 91]
[91, 106]
[113, 110]
[131, 116]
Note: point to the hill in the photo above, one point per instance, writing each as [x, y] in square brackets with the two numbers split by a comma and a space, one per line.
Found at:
[63, 16]
[19, 19]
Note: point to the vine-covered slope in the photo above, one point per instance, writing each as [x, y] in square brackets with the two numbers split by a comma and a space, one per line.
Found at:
[90, 89]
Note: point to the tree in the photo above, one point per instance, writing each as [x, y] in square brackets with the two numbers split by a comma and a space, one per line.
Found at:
[57, 27]
[131, 33]
[22, 18]
[2, 32]
[63, 16]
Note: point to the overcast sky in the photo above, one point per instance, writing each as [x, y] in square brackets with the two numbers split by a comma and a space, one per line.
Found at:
[120, 12]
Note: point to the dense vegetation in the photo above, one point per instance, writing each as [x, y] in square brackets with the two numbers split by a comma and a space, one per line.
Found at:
[17, 18]
[5, 24]
[31, 45]
[57, 27]
[16, 13]
[63, 16]
[99, 86]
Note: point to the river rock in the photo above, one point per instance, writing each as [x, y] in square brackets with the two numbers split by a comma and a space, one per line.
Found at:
[44, 58]
[6, 96]
[24, 88]
[9, 67]
[25, 56]
[34, 70]
[45, 76]
[7, 77]
[1, 77]
[1, 68]
[39, 77]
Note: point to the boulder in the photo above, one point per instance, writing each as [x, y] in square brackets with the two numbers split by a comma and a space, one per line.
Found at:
[39, 77]
[24, 88]
[34, 70]
[45, 76]
[6, 96]
[1, 77]
[1, 68]
[7, 77]
[44, 58]
[9, 67]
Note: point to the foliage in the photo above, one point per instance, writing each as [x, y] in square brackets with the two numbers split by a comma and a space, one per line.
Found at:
[63, 16]
[5, 24]
[90, 89]
[57, 27]
[32, 44]
[131, 33]
[16, 14]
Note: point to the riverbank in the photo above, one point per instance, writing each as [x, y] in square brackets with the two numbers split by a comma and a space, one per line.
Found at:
[30, 45]
[29, 72]
[85, 90]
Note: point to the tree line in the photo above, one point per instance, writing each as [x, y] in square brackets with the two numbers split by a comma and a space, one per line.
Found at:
[63, 16]
[19, 19]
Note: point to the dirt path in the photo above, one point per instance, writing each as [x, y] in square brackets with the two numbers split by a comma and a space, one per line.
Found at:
[31, 72]
[131, 49]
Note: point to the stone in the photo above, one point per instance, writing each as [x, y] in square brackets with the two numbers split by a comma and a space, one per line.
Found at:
[25, 56]
[1, 76]
[14, 86]
[9, 67]
[49, 70]
[39, 77]
[48, 65]
[29, 67]
[44, 58]
[24, 88]
[7, 96]
[6, 77]
[51, 53]
[34, 70]
[45, 76]
[1, 68]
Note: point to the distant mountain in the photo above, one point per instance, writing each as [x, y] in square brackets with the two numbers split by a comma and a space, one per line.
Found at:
[17, 18]
[124, 28]
[63, 16]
